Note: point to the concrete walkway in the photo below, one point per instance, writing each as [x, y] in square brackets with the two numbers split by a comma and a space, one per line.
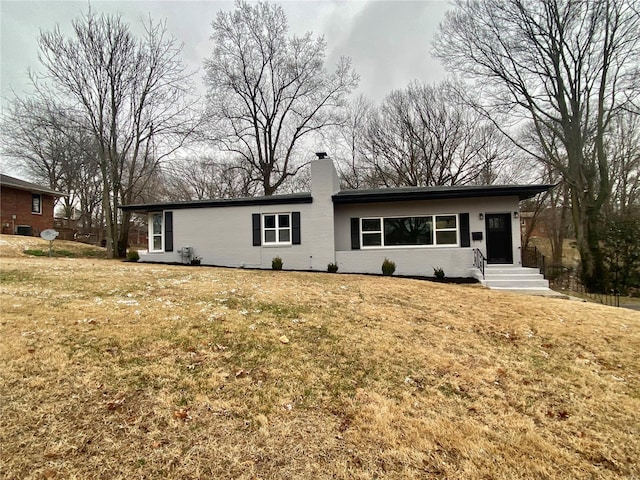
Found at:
[632, 306]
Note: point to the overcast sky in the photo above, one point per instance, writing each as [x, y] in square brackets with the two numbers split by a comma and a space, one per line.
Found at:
[388, 41]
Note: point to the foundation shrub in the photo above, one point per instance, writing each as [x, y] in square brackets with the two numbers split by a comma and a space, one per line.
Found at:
[388, 267]
[276, 263]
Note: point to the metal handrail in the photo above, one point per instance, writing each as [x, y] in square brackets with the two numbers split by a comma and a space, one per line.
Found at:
[539, 260]
[479, 260]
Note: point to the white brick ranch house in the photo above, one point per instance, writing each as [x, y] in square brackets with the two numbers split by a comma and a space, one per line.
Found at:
[419, 228]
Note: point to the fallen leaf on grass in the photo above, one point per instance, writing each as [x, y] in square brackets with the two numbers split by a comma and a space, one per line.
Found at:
[182, 414]
[49, 474]
[284, 339]
[115, 404]
[560, 415]
[90, 321]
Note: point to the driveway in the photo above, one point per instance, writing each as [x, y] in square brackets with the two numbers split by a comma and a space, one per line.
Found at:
[632, 306]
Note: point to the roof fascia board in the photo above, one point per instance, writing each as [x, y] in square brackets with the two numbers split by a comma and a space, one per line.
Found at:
[523, 192]
[220, 203]
[29, 187]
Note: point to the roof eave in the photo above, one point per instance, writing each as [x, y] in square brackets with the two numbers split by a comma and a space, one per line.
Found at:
[219, 203]
[523, 192]
[41, 191]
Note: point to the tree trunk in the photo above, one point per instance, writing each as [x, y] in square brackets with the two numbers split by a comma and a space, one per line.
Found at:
[557, 239]
[560, 225]
[595, 278]
[594, 273]
[109, 227]
[123, 238]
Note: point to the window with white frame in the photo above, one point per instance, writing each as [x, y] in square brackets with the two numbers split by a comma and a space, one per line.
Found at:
[155, 232]
[36, 203]
[446, 229]
[276, 228]
[425, 230]
[371, 232]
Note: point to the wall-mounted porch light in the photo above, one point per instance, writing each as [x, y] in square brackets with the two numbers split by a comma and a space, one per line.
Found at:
[516, 214]
[481, 216]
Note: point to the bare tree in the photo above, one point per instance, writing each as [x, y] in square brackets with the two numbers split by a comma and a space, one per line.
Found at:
[555, 214]
[394, 143]
[552, 209]
[570, 68]
[50, 147]
[348, 140]
[205, 178]
[623, 147]
[130, 92]
[425, 135]
[268, 91]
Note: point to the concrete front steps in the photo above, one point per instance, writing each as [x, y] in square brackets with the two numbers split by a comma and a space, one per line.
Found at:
[515, 279]
[511, 277]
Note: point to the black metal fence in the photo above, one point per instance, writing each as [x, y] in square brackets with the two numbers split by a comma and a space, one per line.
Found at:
[565, 279]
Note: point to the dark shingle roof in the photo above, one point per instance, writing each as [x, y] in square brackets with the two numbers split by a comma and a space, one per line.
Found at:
[399, 194]
[7, 181]
[293, 198]
[437, 193]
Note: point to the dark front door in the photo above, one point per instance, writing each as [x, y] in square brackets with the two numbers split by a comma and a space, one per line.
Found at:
[499, 244]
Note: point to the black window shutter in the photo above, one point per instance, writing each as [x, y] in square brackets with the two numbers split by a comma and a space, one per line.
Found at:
[255, 223]
[355, 234]
[465, 241]
[295, 228]
[168, 231]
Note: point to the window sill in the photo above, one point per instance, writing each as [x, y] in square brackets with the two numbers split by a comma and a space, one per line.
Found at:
[411, 247]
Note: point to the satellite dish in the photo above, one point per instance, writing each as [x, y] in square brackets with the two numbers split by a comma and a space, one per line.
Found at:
[49, 234]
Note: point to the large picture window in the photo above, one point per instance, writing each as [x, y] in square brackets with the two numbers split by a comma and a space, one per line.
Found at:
[408, 231]
[155, 232]
[276, 229]
[424, 230]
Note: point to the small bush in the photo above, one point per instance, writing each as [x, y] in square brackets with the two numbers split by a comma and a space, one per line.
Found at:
[438, 272]
[276, 263]
[388, 267]
[35, 252]
[132, 256]
[45, 253]
[332, 268]
[88, 252]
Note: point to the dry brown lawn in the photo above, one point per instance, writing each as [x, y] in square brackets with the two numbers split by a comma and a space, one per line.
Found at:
[118, 371]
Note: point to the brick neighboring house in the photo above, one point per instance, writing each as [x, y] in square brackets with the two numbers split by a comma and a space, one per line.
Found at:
[25, 208]
[535, 226]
